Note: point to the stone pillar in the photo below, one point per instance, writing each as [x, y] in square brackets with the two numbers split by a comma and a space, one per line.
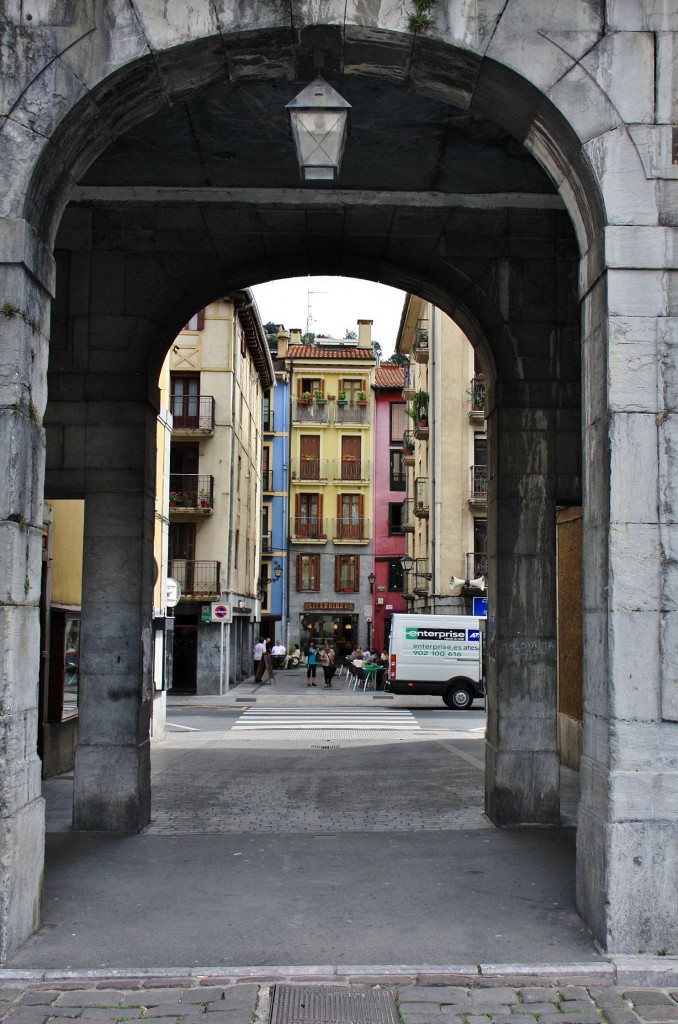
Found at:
[522, 770]
[627, 836]
[26, 278]
[112, 765]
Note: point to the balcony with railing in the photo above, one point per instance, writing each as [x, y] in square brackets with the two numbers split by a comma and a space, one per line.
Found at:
[407, 521]
[421, 502]
[420, 347]
[311, 411]
[357, 412]
[191, 494]
[309, 469]
[420, 415]
[267, 479]
[477, 564]
[192, 415]
[421, 577]
[408, 448]
[478, 485]
[267, 543]
[350, 530]
[352, 469]
[308, 528]
[477, 393]
[198, 580]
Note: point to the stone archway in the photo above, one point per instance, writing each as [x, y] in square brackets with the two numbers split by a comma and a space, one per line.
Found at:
[528, 71]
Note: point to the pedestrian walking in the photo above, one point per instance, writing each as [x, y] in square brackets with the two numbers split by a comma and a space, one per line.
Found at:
[312, 664]
[327, 662]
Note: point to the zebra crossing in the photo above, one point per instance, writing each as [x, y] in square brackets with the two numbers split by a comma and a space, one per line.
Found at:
[355, 718]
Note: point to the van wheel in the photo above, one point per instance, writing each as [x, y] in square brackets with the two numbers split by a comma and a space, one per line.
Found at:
[458, 698]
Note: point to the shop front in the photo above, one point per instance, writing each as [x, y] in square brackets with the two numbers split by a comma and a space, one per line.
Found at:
[334, 621]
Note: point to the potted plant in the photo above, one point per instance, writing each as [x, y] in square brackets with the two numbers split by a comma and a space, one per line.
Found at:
[361, 397]
[319, 397]
[304, 397]
[205, 499]
[174, 498]
[420, 407]
[342, 398]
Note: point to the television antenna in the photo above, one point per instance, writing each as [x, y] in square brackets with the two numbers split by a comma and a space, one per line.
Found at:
[309, 318]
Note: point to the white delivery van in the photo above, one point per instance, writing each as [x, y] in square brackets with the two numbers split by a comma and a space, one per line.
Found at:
[437, 654]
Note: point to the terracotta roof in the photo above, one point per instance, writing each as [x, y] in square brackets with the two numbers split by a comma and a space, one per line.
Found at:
[341, 352]
[390, 377]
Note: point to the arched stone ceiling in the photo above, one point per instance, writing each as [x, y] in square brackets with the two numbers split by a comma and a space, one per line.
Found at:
[236, 136]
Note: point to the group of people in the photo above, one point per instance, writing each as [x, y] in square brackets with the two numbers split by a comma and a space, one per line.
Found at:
[278, 653]
[323, 656]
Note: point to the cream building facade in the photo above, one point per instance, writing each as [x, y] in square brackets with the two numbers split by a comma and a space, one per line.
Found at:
[215, 375]
[445, 511]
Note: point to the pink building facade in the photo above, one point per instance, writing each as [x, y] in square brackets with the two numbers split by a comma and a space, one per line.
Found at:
[390, 488]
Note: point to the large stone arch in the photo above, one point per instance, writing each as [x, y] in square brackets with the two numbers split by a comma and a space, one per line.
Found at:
[555, 77]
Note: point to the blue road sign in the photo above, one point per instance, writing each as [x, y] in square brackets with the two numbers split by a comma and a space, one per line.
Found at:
[480, 607]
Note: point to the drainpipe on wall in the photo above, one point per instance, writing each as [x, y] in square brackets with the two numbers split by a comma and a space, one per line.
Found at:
[433, 452]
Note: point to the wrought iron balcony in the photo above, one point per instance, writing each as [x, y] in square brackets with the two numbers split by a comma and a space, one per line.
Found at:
[477, 392]
[193, 414]
[420, 348]
[477, 564]
[308, 528]
[310, 411]
[407, 522]
[408, 448]
[421, 577]
[353, 412]
[191, 493]
[353, 469]
[350, 529]
[198, 580]
[267, 543]
[308, 467]
[479, 484]
[267, 479]
[421, 505]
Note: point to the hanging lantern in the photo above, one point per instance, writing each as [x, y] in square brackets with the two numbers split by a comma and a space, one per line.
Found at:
[319, 119]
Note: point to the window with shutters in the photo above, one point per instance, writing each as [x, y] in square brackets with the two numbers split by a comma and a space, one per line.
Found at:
[309, 457]
[197, 322]
[308, 572]
[308, 516]
[350, 521]
[347, 573]
[399, 423]
[351, 467]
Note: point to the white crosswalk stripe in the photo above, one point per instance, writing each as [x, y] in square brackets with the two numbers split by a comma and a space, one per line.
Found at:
[327, 718]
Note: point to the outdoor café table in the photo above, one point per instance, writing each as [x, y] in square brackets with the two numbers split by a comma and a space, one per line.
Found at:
[371, 672]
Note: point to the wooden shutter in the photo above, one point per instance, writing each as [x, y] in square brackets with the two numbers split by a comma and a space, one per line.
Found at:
[201, 319]
[299, 558]
[316, 571]
[356, 572]
[337, 572]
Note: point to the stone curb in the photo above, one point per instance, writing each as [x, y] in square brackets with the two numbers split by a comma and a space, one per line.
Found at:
[625, 972]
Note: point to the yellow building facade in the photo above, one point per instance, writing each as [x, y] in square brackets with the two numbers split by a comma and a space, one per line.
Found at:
[331, 488]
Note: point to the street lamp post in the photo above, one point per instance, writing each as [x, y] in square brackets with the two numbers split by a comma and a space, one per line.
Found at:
[265, 581]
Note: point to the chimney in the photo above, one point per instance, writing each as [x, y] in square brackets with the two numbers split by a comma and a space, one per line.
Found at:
[365, 333]
[295, 336]
[283, 341]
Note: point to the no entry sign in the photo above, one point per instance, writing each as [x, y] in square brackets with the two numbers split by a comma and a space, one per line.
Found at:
[221, 612]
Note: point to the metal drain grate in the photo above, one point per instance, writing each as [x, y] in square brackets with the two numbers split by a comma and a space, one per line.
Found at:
[322, 1004]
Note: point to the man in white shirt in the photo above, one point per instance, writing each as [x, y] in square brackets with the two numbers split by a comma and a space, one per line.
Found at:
[278, 652]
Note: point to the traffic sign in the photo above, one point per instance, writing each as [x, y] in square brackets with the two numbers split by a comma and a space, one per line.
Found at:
[221, 612]
[480, 607]
[172, 593]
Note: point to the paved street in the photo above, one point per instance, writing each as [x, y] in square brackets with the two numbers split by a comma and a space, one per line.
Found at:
[415, 1000]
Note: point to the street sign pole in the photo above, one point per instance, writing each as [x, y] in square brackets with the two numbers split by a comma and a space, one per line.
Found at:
[221, 662]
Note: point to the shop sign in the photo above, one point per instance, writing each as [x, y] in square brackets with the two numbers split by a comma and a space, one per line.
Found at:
[328, 606]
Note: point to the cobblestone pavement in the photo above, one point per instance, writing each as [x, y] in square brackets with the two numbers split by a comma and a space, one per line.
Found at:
[476, 1000]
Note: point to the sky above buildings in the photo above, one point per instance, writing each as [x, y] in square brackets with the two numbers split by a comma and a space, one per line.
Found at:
[332, 305]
